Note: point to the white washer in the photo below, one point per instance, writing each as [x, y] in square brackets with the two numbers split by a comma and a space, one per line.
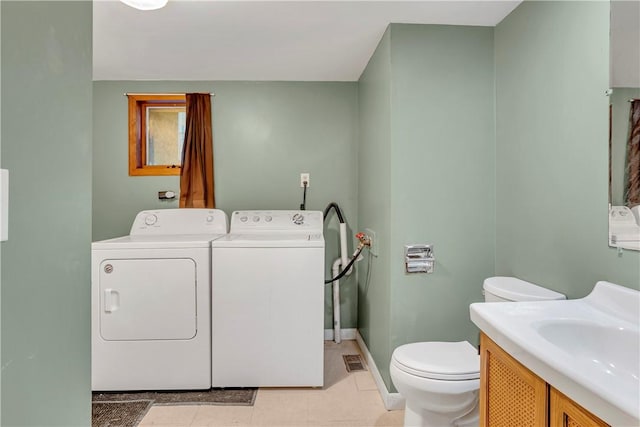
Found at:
[151, 302]
[268, 300]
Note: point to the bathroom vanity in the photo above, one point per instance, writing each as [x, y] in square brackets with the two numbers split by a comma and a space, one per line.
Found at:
[512, 395]
[561, 363]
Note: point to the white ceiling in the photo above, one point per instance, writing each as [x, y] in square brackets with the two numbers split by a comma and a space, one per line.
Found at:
[261, 40]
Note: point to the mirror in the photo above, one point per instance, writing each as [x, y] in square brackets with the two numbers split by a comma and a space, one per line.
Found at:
[624, 215]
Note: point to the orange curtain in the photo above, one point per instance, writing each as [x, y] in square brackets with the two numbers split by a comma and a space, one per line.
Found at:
[196, 175]
[633, 156]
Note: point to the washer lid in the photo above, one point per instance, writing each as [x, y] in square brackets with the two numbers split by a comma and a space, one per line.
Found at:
[270, 240]
[185, 241]
[439, 360]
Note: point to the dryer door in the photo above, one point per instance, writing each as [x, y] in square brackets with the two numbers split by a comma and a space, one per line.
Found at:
[148, 299]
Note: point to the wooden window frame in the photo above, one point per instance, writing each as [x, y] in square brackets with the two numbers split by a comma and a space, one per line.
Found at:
[138, 135]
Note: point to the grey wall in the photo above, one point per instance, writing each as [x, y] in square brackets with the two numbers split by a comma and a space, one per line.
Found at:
[625, 33]
[551, 150]
[46, 135]
[265, 134]
[427, 160]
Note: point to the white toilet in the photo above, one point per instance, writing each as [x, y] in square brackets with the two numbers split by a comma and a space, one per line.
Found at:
[440, 380]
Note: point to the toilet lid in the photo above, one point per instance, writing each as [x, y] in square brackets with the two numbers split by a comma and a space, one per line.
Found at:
[439, 360]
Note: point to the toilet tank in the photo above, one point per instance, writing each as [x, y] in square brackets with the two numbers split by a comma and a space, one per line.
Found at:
[497, 289]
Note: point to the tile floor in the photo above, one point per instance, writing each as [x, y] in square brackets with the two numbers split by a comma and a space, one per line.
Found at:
[347, 399]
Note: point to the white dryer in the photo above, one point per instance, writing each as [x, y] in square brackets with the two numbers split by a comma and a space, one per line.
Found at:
[151, 302]
[268, 300]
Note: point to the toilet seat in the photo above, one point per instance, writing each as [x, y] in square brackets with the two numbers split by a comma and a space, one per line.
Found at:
[450, 361]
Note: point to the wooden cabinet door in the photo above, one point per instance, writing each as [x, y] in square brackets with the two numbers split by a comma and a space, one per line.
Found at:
[510, 394]
[566, 413]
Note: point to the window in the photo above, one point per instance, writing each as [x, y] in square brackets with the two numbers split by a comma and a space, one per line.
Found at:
[156, 134]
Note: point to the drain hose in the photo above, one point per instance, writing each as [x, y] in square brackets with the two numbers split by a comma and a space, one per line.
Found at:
[344, 271]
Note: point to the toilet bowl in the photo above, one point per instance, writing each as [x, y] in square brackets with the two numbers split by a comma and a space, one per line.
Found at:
[440, 381]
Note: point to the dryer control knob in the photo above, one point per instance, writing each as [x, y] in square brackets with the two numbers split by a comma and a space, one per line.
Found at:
[256, 218]
[298, 219]
[150, 219]
[268, 218]
[210, 218]
[243, 218]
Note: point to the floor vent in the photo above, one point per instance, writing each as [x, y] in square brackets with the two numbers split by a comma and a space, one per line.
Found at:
[353, 362]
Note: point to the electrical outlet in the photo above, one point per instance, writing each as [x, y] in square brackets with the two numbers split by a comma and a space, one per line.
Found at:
[374, 241]
[304, 177]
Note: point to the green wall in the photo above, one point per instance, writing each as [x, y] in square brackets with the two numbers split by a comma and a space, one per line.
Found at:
[552, 72]
[490, 144]
[374, 207]
[442, 176]
[0, 244]
[46, 135]
[419, 125]
[265, 134]
[620, 107]
[426, 176]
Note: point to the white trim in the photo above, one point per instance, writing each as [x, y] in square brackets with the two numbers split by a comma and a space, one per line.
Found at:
[345, 334]
[392, 401]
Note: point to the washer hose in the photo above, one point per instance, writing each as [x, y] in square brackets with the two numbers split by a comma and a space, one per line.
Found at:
[335, 206]
[364, 241]
[347, 268]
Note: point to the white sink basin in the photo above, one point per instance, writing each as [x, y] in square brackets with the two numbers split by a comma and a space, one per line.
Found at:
[589, 348]
[612, 351]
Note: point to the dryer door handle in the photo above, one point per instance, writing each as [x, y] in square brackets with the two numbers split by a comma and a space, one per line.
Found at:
[111, 300]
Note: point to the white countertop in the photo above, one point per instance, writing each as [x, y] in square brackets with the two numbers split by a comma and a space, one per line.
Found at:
[589, 348]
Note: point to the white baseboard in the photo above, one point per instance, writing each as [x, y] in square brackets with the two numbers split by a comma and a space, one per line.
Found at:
[345, 334]
[392, 401]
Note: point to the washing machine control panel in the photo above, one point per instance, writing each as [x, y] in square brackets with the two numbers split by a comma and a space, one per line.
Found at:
[150, 219]
[180, 221]
[276, 221]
